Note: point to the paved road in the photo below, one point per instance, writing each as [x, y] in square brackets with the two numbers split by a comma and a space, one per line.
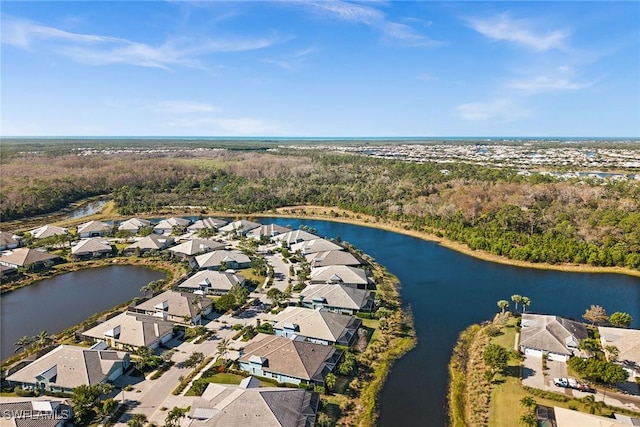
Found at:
[533, 377]
[281, 270]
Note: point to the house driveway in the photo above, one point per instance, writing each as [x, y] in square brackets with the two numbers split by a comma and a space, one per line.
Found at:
[532, 375]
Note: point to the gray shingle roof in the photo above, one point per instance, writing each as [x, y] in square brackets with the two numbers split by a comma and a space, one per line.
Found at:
[24, 256]
[551, 333]
[321, 259]
[135, 329]
[339, 296]
[315, 245]
[213, 259]
[177, 303]
[88, 246]
[320, 324]
[339, 274]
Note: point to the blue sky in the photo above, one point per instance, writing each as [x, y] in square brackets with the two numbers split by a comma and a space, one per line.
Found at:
[320, 68]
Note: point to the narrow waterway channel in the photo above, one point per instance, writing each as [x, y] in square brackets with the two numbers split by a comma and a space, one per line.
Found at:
[62, 301]
[447, 291]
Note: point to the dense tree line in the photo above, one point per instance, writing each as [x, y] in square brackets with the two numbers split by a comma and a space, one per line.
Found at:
[535, 218]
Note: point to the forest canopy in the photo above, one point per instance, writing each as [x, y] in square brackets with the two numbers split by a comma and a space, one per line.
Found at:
[533, 218]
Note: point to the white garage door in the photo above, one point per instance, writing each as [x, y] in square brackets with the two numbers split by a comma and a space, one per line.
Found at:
[557, 357]
[532, 352]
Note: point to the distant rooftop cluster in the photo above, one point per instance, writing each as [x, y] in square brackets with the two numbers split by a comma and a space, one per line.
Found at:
[528, 155]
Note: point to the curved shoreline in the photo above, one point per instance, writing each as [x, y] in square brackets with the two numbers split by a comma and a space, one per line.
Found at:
[397, 227]
[324, 213]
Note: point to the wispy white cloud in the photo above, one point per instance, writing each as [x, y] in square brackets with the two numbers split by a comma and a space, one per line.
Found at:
[520, 31]
[292, 61]
[501, 110]
[94, 49]
[560, 79]
[356, 13]
[426, 76]
[183, 107]
[407, 36]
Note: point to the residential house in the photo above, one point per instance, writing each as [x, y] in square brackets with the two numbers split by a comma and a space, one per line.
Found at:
[339, 275]
[32, 259]
[68, 366]
[249, 405]
[8, 241]
[148, 243]
[195, 247]
[133, 225]
[288, 361]
[231, 259]
[6, 271]
[562, 417]
[319, 326]
[337, 298]
[166, 225]
[554, 336]
[91, 248]
[627, 341]
[322, 259]
[208, 282]
[316, 245]
[267, 231]
[293, 237]
[179, 307]
[206, 223]
[32, 413]
[130, 331]
[48, 231]
[240, 227]
[93, 229]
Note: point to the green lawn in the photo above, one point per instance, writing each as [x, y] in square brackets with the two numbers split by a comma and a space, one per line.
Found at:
[372, 324]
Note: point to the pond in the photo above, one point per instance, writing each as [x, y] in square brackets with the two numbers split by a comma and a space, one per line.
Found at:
[447, 291]
[60, 302]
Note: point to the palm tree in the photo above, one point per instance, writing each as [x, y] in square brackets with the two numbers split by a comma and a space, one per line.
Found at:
[223, 348]
[517, 299]
[503, 304]
[137, 420]
[529, 420]
[174, 416]
[528, 402]
[526, 302]
[591, 405]
[613, 352]
[23, 343]
[42, 339]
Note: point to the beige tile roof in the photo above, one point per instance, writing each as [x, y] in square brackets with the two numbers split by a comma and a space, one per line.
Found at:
[297, 359]
[7, 239]
[135, 329]
[48, 231]
[178, 304]
[169, 223]
[233, 406]
[197, 246]
[216, 280]
[152, 241]
[24, 256]
[339, 274]
[88, 246]
[134, 224]
[338, 296]
[268, 230]
[626, 340]
[73, 366]
[295, 236]
[93, 227]
[213, 223]
[315, 245]
[319, 324]
[213, 259]
[570, 418]
[338, 257]
[242, 225]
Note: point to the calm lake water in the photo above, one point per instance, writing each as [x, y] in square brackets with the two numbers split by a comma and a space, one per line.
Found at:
[447, 291]
[62, 301]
